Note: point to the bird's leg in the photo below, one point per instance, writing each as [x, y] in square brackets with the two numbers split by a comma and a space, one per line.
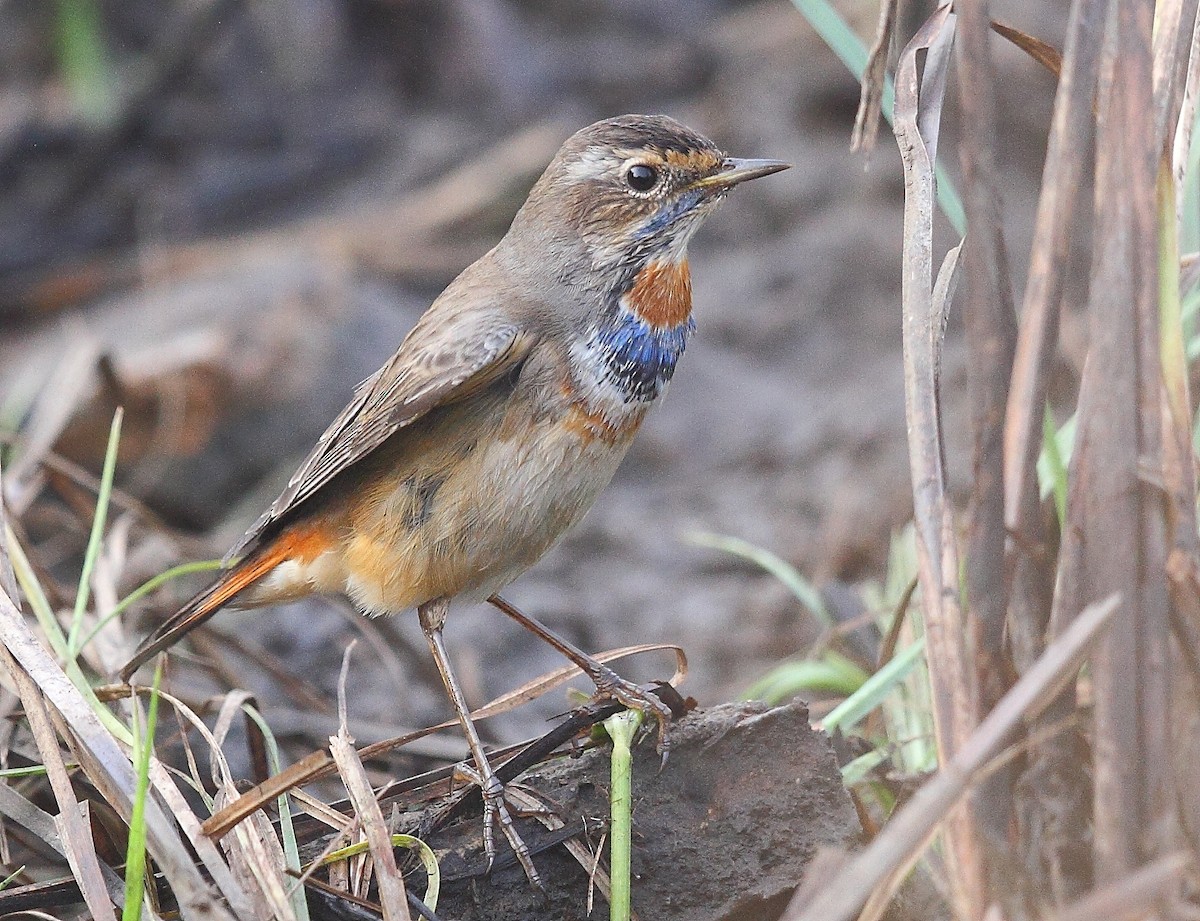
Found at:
[433, 615]
[608, 683]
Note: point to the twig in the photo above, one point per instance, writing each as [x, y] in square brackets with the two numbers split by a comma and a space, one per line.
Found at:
[392, 896]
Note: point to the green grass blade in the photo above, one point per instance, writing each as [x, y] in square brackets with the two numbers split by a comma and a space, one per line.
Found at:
[135, 855]
[856, 771]
[852, 51]
[1189, 230]
[831, 674]
[433, 872]
[32, 589]
[621, 728]
[183, 569]
[34, 770]
[949, 201]
[84, 58]
[855, 707]
[780, 568]
[1055, 471]
[841, 39]
[1188, 311]
[97, 534]
[428, 860]
[7, 881]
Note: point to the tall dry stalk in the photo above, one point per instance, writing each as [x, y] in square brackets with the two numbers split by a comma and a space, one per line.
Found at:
[1090, 810]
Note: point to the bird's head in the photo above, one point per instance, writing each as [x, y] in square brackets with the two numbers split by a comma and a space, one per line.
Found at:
[633, 189]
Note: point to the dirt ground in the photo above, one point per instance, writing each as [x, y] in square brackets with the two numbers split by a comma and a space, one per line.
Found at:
[730, 790]
[784, 424]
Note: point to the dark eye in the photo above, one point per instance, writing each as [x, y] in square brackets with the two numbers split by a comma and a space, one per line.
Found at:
[641, 178]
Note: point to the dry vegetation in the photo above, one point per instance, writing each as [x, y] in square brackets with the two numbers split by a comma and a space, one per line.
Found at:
[1059, 610]
[1056, 795]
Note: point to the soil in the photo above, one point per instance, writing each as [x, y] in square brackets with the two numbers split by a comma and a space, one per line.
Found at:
[729, 789]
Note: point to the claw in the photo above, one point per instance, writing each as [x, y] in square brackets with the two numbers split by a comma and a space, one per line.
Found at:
[611, 685]
[495, 811]
[608, 683]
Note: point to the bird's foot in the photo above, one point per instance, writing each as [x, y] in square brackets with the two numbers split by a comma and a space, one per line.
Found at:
[611, 686]
[496, 812]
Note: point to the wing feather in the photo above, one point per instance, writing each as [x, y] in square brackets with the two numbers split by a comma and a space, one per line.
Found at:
[438, 363]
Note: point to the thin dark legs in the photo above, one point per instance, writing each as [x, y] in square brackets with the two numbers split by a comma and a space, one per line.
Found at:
[608, 683]
[433, 615]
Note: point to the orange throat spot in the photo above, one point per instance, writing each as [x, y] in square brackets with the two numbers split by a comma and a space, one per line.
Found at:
[662, 293]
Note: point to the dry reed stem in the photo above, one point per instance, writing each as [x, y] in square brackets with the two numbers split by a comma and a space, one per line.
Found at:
[1169, 53]
[991, 337]
[1179, 477]
[866, 120]
[1050, 808]
[1135, 895]
[1115, 517]
[1062, 189]
[952, 692]
[922, 341]
[915, 821]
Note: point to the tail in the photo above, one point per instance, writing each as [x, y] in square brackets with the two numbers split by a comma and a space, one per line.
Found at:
[231, 583]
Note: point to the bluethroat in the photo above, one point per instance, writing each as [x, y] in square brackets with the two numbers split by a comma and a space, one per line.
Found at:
[503, 413]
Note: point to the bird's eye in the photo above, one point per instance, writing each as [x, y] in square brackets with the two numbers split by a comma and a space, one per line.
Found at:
[641, 178]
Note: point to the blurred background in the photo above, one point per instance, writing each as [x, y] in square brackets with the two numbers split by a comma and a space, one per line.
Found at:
[222, 215]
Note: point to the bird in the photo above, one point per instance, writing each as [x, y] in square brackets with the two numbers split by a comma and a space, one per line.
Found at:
[502, 415]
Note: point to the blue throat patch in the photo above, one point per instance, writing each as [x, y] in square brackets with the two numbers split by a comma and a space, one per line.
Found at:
[640, 358]
[669, 213]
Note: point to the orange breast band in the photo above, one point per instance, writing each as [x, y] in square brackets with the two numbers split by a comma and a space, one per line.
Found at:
[662, 294]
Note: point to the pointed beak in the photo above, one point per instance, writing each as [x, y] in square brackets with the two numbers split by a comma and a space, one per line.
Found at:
[734, 171]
